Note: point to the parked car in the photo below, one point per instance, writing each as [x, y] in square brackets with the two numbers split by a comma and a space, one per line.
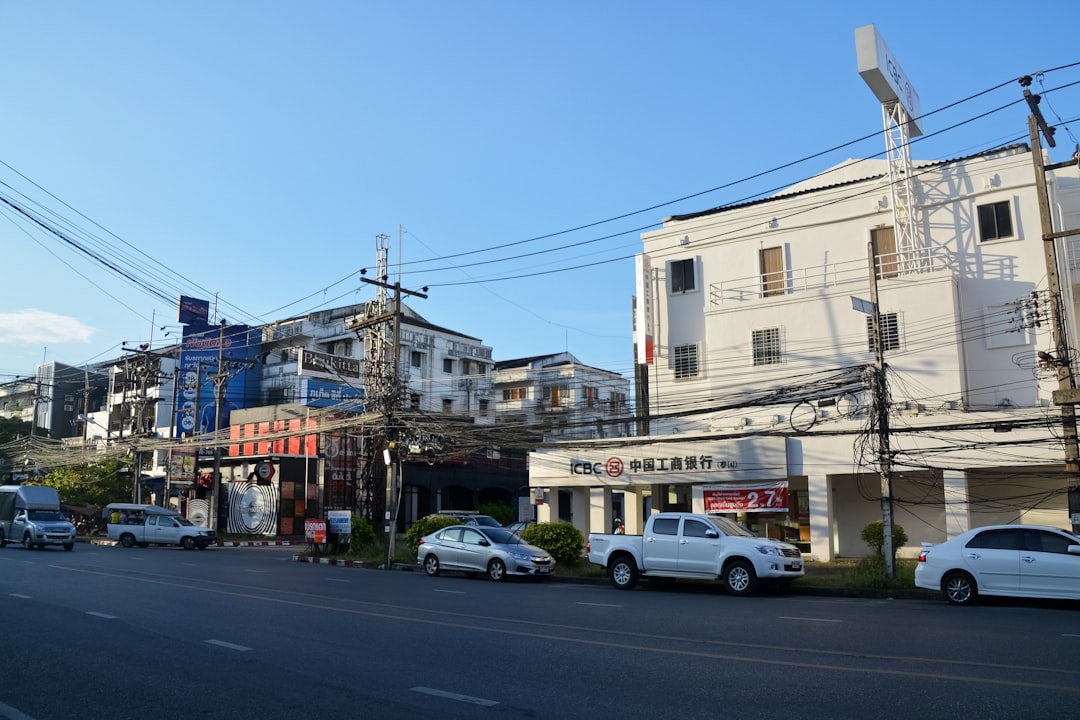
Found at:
[518, 527]
[1012, 560]
[465, 517]
[475, 549]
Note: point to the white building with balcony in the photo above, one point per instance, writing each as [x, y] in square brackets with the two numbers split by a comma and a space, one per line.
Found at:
[755, 337]
[565, 399]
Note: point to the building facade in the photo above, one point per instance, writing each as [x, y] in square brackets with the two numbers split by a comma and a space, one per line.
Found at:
[756, 336]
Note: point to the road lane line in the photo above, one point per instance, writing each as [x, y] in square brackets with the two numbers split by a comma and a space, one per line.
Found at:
[229, 645]
[13, 714]
[451, 592]
[456, 696]
[599, 604]
[20, 595]
[343, 580]
[807, 619]
[1069, 635]
[101, 615]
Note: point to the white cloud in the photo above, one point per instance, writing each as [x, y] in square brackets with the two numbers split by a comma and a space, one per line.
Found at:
[40, 326]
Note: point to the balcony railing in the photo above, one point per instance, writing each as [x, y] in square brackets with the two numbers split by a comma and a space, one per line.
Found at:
[829, 275]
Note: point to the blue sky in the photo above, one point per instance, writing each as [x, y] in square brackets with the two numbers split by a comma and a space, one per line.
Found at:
[255, 149]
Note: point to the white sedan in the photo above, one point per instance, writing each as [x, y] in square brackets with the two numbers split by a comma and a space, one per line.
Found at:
[1032, 561]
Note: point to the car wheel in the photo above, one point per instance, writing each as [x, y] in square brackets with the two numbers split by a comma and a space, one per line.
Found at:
[496, 570]
[28, 542]
[739, 577]
[623, 573]
[127, 540]
[959, 588]
[188, 543]
[431, 564]
[69, 546]
[3, 541]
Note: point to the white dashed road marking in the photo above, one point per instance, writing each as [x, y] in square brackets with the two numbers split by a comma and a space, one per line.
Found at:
[456, 696]
[229, 645]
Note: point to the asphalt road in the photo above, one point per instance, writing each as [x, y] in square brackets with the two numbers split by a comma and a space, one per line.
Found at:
[248, 633]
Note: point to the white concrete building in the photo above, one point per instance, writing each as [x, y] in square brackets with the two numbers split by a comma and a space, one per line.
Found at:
[558, 395]
[760, 359]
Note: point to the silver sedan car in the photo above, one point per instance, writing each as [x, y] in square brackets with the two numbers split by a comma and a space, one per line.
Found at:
[472, 549]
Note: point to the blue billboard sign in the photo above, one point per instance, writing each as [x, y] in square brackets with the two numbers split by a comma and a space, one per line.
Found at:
[204, 347]
[324, 393]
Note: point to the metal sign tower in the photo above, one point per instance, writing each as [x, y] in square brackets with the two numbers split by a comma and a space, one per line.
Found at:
[900, 111]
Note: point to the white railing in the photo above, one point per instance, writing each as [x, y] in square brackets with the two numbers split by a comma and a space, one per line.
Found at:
[829, 275]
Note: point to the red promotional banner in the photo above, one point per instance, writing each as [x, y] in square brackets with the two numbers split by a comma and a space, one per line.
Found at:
[755, 497]
[315, 530]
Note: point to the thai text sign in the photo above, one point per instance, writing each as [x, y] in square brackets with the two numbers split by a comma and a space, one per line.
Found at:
[749, 497]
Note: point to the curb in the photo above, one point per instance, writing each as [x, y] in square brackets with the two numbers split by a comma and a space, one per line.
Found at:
[255, 543]
[328, 561]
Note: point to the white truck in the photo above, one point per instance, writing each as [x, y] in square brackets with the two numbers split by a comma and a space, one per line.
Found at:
[700, 547]
[30, 514]
[130, 524]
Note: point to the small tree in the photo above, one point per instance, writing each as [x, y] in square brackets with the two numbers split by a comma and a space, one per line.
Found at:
[874, 536]
[564, 541]
[361, 534]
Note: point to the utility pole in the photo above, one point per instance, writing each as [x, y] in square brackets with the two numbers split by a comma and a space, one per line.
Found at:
[1066, 395]
[881, 414]
[221, 378]
[389, 391]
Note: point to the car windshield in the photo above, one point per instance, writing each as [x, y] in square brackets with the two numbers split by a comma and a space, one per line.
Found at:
[43, 515]
[501, 536]
[730, 527]
[486, 521]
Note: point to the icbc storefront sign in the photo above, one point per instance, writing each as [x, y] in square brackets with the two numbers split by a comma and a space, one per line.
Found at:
[757, 497]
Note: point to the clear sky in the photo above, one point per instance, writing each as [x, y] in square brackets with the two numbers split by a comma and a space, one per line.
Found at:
[254, 149]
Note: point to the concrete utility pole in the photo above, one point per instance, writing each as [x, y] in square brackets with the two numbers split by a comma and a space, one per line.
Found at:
[881, 413]
[388, 393]
[1066, 395]
[221, 380]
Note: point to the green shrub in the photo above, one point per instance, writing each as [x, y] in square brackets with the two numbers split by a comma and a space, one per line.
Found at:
[426, 526]
[361, 535]
[874, 536]
[564, 541]
[500, 511]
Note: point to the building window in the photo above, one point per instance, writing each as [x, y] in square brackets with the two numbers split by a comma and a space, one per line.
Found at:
[448, 365]
[772, 271]
[890, 332]
[590, 395]
[447, 405]
[483, 408]
[682, 275]
[886, 263]
[416, 358]
[513, 393]
[767, 347]
[995, 221]
[686, 361]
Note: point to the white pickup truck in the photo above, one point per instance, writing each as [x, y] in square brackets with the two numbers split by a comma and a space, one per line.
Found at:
[143, 525]
[700, 547]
